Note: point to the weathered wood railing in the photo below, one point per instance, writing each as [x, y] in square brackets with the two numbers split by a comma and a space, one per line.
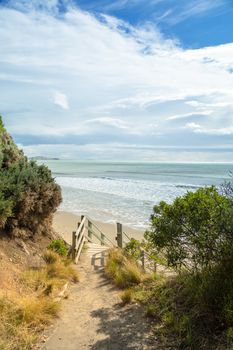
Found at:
[78, 240]
[147, 263]
[89, 231]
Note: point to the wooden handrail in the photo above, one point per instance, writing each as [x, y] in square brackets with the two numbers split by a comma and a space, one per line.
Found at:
[85, 231]
[90, 228]
[101, 238]
[78, 240]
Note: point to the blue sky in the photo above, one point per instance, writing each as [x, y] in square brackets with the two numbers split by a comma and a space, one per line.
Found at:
[195, 23]
[119, 80]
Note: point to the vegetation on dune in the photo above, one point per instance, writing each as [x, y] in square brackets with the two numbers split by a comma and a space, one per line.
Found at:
[195, 232]
[28, 198]
[193, 309]
[28, 192]
[24, 315]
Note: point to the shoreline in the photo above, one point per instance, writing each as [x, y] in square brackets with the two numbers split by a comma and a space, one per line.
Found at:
[64, 223]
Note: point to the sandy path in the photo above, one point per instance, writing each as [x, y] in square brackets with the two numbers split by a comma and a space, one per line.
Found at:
[93, 318]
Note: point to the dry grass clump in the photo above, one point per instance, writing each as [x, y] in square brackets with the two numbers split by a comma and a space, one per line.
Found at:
[127, 296]
[51, 257]
[52, 277]
[23, 317]
[59, 270]
[37, 312]
[124, 271]
[15, 334]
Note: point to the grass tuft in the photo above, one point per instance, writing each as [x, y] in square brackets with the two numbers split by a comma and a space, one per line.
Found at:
[61, 271]
[127, 296]
[51, 257]
[124, 271]
[38, 311]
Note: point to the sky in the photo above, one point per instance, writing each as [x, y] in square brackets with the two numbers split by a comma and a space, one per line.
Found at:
[125, 80]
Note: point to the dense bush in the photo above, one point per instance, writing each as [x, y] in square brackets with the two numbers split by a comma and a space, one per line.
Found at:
[195, 231]
[28, 193]
[195, 234]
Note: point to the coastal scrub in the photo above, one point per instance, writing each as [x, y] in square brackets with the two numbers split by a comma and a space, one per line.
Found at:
[28, 193]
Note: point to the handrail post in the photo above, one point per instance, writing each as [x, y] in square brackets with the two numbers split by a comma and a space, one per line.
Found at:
[143, 258]
[78, 224]
[155, 266]
[89, 224]
[119, 237]
[73, 244]
[102, 238]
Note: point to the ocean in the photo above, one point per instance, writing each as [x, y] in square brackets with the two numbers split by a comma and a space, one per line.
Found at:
[127, 192]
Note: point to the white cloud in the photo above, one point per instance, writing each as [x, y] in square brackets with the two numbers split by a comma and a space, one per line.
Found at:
[60, 99]
[209, 131]
[192, 126]
[191, 114]
[110, 79]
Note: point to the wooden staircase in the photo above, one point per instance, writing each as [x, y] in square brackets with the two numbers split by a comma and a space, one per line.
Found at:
[97, 254]
[88, 234]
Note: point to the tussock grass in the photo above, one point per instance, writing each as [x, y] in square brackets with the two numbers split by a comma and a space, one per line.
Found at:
[15, 333]
[52, 277]
[127, 296]
[37, 312]
[124, 271]
[23, 317]
[51, 257]
[59, 270]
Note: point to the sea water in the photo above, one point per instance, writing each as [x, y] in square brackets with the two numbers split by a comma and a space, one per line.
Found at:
[127, 192]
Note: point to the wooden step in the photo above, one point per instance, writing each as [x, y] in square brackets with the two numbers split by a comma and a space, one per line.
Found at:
[97, 254]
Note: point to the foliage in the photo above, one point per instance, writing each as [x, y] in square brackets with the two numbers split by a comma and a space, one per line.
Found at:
[196, 234]
[227, 187]
[195, 231]
[58, 246]
[133, 248]
[187, 311]
[28, 193]
[1, 125]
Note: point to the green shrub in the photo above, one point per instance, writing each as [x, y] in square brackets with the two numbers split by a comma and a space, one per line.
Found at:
[195, 231]
[195, 234]
[58, 246]
[133, 249]
[28, 193]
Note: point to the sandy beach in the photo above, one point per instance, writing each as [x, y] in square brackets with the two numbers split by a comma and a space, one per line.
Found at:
[65, 223]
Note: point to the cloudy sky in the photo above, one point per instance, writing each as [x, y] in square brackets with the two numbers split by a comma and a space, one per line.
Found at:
[146, 80]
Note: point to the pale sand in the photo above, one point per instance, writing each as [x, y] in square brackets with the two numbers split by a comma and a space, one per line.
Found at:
[65, 223]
